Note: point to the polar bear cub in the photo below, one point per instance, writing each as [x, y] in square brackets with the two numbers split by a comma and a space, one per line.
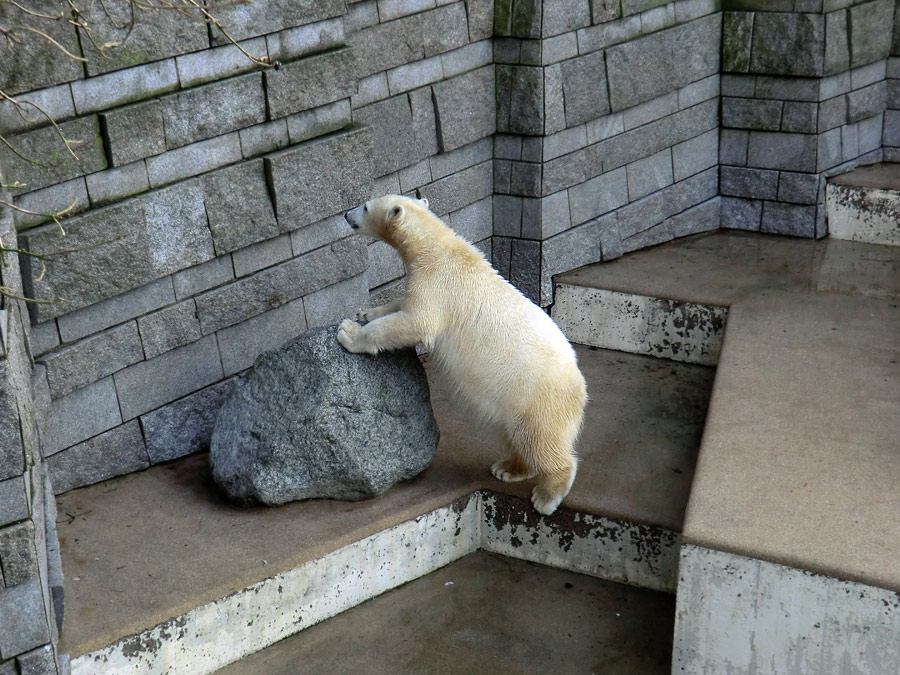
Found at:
[502, 353]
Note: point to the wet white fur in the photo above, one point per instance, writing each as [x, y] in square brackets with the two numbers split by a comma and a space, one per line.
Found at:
[504, 355]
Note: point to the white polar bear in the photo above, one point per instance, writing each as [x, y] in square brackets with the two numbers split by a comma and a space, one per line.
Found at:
[504, 355]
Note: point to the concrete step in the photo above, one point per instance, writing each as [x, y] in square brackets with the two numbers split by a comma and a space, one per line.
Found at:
[485, 613]
[163, 576]
[864, 205]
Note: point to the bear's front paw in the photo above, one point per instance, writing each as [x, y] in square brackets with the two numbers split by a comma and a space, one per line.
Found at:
[365, 315]
[347, 334]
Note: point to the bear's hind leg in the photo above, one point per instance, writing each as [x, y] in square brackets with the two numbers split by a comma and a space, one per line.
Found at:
[553, 488]
[551, 454]
[513, 468]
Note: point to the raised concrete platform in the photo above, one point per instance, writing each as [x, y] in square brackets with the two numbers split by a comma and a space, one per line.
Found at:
[800, 457]
[864, 204]
[161, 571]
[486, 613]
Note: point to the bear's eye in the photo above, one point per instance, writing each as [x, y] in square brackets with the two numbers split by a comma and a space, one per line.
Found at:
[365, 208]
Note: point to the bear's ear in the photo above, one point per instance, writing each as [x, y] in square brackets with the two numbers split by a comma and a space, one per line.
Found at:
[395, 212]
[424, 202]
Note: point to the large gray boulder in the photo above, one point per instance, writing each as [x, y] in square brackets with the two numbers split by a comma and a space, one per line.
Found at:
[312, 420]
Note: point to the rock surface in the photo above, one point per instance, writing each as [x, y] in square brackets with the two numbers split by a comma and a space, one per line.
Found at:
[312, 420]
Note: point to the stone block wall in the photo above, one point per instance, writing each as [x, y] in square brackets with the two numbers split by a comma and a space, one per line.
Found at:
[803, 97]
[891, 133]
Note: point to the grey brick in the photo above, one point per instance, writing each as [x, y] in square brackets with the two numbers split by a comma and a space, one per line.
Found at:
[568, 170]
[23, 619]
[651, 110]
[507, 50]
[184, 426]
[787, 88]
[445, 28]
[177, 235]
[799, 188]
[866, 102]
[465, 108]
[829, 149]
[598, 37]
[737, 30]
[738, 85]
[704, 217]
[459, 189]
[391, 122]
[246, 20]
[564, 142]
[241, 344]
[554, 99]
[332, 174]
[310, 82]
[124, 86]
[520, 99]
[384, 264]
[112, 185]
[502, 172]
[387, 45]
[56, 164]
[278, 285]
[605, 127]
[70, 197]
[531, 219]
[656, 207]
[40, 661]
[169, 328]
[261, 255]
[339, 301]
[749, 113]
[698, 92]
[799, 116]
[870, 133]
[849, 142]
[17, 553]
[555, 216]
[525, 268]
[289, 44]
[481, 19]
[832, 113]
[112, 453]
[35, 62]
[604, 10]
[318, 234]
[869, 41]
[790, 219]
[370, 89]
[218, 63]
[559, 48]
[150, 384]
[394, 9]
[788, 44]
[92, 358]
[829, 87]
[54, 101]
[584, 88]
[501, 250]
[475, 221]
[636, 6]
[415, 75]
[13, 502]
[695, 155]
[652, 236]
[870, 74]
[657, 18]
[649, 174]
[193, 159]
[507, 216]
[576, 247]
[117, 309]
[134, 131]
[387, 185]
[214, 109]
[564, 16]
[755, 183]
[264, 138]
[150, 34]
[82, 414]
[415, 176]
[202, 277]
[43, 337]
[361, 14]
[319, 121]
[837, 46]
[599, 195]
[238, 206]
[525, 179]
[794, 152]
[519, 19]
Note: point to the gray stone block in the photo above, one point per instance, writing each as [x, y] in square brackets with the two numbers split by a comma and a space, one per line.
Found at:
[799, 116]
[56, 164]
[17, 553]
[238, 206]
[837, 46]
[738, 85]
[502, 172]
[465, 108]
[754, 183]
[554, 99]
[737, 30]
[870, 74]
[415, 176]
[870, 134]
[387, 45]
[84, 413]
[787, 88]
[40, 661]
[23, 619]
[202, 277]
[605, 127]
[112, 185]
[112, 453]
[459, 189]
[652, 236]
[177, 233]
[605, 10]
[287, 45]
[799, 188]
[832, 113]
[332, 174]
[30, 112]
[507, 50]
[525, 179]
[793, 152]
[704, 217]
[475, 221]
[849, 142]
[310, 82]
[517, 19]
[278, 285]
[169, 328]
[637, 6]
[866, 102]
[134, 131]
[319, 121]
[185, 426]
[649, 174]
[520, 99]
[599, 195]
[384, 264]
[32, 62]
[790, 219]
[246, 20]
[214, 109]
[559, 48]
[562, 16]
[117, 309]
[415, 75]
[218, 63]
[92, 358]
[445, 28]
[829, 150]
[554, 215]
[391, 122]
[749, 113]
[564, 142]
[584, 88]
[70, 197]
[124, 86]
[194, 159]
[331, 304]
[263, 138]
[507, 216]
[568, 170]
[651, 110]
[699, 91]
[261, 255]
[869, 41]
[656, 207]
[370, 89]
[149, 34]
[480, 15]
[43, 337]
[176, 373]
[573, 248]
[326, 231]
[695, 155]
[832, 86]
[525, 268]
[13, 502]
[788, 44]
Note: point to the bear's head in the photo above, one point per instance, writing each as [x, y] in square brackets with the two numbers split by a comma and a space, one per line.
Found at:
[382, 217]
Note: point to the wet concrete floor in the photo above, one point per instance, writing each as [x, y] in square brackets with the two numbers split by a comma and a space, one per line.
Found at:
[485, 614]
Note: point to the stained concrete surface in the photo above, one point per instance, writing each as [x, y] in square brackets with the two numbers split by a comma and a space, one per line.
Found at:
[883, 176]
[485, 614]
[141, 549]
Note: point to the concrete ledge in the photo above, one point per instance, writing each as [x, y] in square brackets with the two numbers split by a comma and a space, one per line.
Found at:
[864, 205]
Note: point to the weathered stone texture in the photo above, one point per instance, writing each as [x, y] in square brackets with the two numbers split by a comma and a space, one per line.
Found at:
[737, 29]
[113, 453]
[246, 20]
[17, 554]
[238, 206]
[67, 423]
[310, 82]
[520, 99]
[584, 88]
[261, 255]
[868, 37]
[788, 44]
[23, 619]
[321, 177]
[169, 328]
[134, 131]
[466, 108]
[391, 122]
[124, 86]
[240, 344]
[319, 121]
[13, 502]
